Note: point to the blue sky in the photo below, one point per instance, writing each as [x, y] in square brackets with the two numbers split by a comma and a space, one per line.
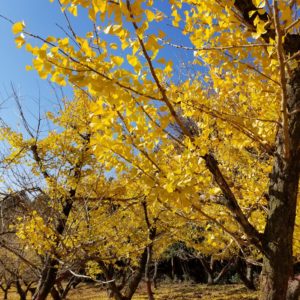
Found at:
[40, 17]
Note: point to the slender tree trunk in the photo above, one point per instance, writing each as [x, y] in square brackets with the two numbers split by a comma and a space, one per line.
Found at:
[208, 268]
[154, 278]
[223, 272]
[5, 294]
[172, 268]
[147, 273]
[20, 291]
[112, 287]
[245, 272]
[5, 290]
[68, 287]
[283, 189]
[132, 283]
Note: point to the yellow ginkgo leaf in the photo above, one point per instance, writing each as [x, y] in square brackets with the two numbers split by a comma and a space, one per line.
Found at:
[18, 27]
[132, 60]
[20, 41]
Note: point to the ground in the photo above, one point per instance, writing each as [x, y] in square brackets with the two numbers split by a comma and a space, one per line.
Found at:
[181, 291]
[176, 292]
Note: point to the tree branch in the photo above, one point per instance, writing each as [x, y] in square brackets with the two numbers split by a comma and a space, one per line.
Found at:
[231, 203]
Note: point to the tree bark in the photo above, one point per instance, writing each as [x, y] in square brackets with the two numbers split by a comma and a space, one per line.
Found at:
[283, 190]
[284, 179]
[293, 292]
[137, 277]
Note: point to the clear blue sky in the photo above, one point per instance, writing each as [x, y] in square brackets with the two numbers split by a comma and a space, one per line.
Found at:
[40, 17]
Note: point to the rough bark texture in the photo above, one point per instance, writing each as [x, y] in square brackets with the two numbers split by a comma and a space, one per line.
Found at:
[283, 189]
[293, 292]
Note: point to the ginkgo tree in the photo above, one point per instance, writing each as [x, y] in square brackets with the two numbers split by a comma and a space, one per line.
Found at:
[241, 88]
[79, 219]
[59, 164]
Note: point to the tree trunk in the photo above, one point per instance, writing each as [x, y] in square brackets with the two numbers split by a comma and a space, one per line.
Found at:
[172, 269]
[5, 294]
[223, 272]
[132, 283]
[137, 277]
[47, 279]
[50, 268]
[283, 189]
[208, 268]
[68, 287]
[20, 291]
[147, 273]
[5, 290]
[293, 289]
[112, 287]
[245, 272]
[149, 290]
[154, 278]
[55, 294]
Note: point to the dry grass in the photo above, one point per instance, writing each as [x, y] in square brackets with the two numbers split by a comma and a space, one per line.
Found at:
[181, 291]
[173, 292]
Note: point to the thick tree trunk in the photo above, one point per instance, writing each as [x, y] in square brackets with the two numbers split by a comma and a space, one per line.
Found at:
[47, 279]
[278, 236]
[283, 189]
[293, 289]
[137, 277]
